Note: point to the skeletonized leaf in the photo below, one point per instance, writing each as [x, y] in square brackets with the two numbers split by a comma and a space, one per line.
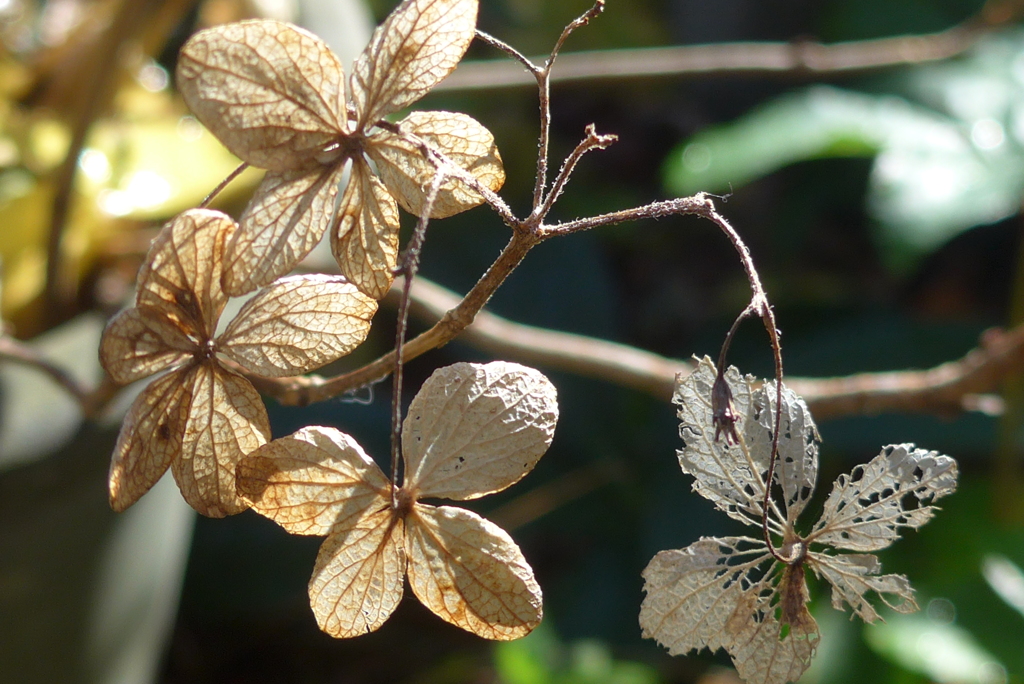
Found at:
[358, 576]
[225, 421]
[182, 272]
[729, 475]
[297, 325]
[150, 438]
[366, 241]
[797, 467]
[408, 175]
[692, 593]
[713, 594]
[865, 509]
[469, 572]
[283, 222]
[474, 429]
[852, 576]
[415, 48]
[761, 654]
[138, 343]
[271, 92]
[312, 480]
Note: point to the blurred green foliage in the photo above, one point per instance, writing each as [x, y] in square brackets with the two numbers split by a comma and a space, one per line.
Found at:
[830, 188]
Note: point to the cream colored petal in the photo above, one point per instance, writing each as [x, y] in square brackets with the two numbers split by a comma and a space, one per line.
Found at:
[359, 572]
[691, 593]
[473, 429]
[713, 594]
[138, 343]
[866, 509]
[226, 420]
[297, 325]
[284, 221]
[419, 44]
[182, 272]
[408, 175]
[150, 437]
[271, 92]
[366, 241]
[852, 576]
[762, 654]
[469, 572]
[312, 480]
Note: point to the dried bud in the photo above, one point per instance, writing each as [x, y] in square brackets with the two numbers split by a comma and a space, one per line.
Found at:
[723, 413]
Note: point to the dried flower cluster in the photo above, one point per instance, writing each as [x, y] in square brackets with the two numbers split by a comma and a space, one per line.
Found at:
[471, 430]
[718, 592]
[276, 96]
[202, 417]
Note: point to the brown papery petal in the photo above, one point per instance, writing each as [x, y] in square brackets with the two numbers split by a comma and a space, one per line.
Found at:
[473, 429]
[150, 438]
[284, 221]
[358, 576]
[182, 272]
[408, 175]
[469, 572]
[297, 325]
[411, 52]
[366, 241]
[271, 92]
[312, 480]
[138, 343]
[226, 420]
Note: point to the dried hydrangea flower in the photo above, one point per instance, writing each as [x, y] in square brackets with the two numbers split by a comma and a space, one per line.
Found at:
[275, 95]
[201, 417]
[471, 430]
[730, 592]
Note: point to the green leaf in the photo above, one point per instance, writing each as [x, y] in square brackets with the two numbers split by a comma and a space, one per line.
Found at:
[816, 123]
[941, 652]
[934, 175]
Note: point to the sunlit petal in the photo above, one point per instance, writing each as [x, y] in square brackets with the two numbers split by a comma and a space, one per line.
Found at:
[271, 92]
[297, 325]
[469, 572]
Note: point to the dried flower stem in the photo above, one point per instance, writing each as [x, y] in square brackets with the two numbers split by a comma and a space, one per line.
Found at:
[223, 184]
[408, 267]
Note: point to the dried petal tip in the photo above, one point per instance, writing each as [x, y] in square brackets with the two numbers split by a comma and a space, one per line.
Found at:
[723, 413]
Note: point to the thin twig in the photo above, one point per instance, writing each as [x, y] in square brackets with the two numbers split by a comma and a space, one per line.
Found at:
[696, 204]
[543, 78]
[300, 391]
[593, 141]
[410, 264]
[577, 23]
[499, 44]
[438, 158]
[758, 306]
[223, 184]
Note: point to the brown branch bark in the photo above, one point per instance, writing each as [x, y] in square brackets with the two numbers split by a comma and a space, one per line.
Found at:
[947, 389]
[799, 57]
[15, 352]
